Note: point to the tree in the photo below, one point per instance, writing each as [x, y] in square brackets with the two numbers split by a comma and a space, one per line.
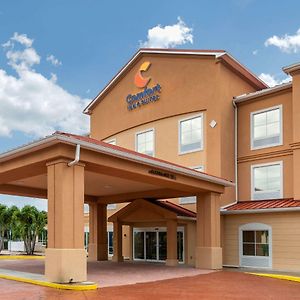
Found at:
[30, 223]
[3, 225]
[7, 220]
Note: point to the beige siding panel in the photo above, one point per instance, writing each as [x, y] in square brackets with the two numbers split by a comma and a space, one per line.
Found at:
[285, 238]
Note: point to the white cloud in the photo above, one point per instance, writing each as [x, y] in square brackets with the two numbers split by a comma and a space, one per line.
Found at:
[254, 52]
[54, 61]
[286, 43]
[32, 103]
[169, 36]
[271, 80]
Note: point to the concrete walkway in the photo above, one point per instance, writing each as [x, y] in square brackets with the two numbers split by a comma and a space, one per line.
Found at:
[108, 274]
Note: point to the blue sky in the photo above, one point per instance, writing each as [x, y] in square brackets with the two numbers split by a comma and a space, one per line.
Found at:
[60, 54]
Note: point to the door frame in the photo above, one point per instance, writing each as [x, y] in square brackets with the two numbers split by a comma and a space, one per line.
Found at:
[157, 230]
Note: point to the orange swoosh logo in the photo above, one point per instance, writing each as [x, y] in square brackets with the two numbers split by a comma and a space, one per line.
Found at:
[139, 80]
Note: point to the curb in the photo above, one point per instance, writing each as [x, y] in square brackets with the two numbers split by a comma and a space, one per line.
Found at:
[73, 287]
[21, 257]
[277, 276]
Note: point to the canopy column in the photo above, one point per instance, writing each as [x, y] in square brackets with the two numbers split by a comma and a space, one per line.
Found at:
[117, 242]
[65, 259]
[171, 243]
[208, 238]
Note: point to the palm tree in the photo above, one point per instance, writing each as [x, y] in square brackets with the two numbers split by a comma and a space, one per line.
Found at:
[3, 215]
[30, 223]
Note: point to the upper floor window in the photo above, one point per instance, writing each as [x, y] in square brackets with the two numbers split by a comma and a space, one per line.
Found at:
[266, 128]
[145, 142]
[267, 181]
[191, 199]
[191, 134]
[112, 142]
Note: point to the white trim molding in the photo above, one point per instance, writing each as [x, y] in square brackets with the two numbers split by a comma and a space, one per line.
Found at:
[255, 261]
[265, 110]
[141, 132]
[201, 115]
[280, 163]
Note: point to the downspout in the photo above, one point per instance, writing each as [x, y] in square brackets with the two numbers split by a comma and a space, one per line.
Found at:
[235, 150]
[77, 157]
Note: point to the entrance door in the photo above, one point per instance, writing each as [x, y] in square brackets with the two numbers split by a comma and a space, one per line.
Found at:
[150, 244]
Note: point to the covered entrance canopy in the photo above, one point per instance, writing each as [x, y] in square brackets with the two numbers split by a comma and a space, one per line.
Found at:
[99, 173]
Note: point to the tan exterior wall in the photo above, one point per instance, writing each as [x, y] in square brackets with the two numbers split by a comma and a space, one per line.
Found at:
[285, 238]
[248, 157]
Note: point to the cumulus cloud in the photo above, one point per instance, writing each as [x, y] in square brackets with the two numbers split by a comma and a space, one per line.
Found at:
[53, 60]
[286, 43]
[32, 103]
[271, 80]
[169, 36]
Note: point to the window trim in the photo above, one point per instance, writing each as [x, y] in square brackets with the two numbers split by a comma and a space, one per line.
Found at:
[201, 115]
[265, 165]
[111, 141]
[255, 227]
[280, 143]
[144, 131]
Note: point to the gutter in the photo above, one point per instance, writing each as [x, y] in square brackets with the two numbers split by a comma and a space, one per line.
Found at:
[258, 211]
[77, 157]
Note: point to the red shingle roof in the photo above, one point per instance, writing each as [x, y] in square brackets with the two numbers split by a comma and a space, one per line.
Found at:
[263, 204]
[179, 210]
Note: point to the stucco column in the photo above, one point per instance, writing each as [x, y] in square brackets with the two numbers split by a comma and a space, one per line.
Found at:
[92, 249]
[65, 259]
[171, 243]
[117, 242]
[208, 244]
[102, 247]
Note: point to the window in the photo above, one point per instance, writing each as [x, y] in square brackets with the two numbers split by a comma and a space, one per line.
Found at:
[110, 236]
[111, 206]
[145, 142]
[191, 134]
[266, 128]
[191, 199]
[112, 142]
[267, 181]
[256, 243]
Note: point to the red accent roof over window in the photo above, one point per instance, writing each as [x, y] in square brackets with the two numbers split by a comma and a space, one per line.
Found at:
[263, 204]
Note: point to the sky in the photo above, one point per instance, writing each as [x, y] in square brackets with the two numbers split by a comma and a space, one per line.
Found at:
[55, 56]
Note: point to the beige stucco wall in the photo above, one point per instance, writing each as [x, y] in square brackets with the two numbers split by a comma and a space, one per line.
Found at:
[248, 157]
[285, 238]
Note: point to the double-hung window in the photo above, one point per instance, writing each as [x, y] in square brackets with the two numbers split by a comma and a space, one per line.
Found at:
[191, 199]
[145, 142]
[267, 181]
[266, 128]
[191, 134]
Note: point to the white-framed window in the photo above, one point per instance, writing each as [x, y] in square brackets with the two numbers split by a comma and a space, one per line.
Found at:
[112, 141]
[111, 206]
[266, 128]
[144, 142]
[255, 245]
[191, 134]
[191, 199]
[267, 181]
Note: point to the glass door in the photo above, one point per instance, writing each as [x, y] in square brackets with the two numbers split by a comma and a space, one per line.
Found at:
[151, 245]
[162, 245]
[138, 245]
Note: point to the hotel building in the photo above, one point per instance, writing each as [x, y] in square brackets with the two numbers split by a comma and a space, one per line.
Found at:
[191, 159]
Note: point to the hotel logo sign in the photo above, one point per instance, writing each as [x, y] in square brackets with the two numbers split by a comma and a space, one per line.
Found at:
[148, 95]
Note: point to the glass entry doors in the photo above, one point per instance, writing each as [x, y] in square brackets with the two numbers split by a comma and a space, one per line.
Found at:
[150, 244]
